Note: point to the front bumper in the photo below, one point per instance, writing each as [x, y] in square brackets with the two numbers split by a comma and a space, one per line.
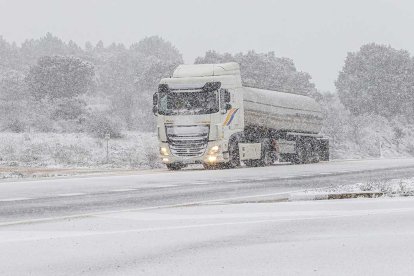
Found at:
[219, 157]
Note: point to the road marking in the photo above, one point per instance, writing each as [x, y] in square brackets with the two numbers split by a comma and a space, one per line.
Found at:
[325, 173]
[233, 181]
[123, 190]
[201, 183]
[261, 178]
[71, 194]
[143, 187]
[163, 186]
[14, 199]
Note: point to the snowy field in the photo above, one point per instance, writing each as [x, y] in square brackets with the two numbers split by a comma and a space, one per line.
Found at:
[52, 150]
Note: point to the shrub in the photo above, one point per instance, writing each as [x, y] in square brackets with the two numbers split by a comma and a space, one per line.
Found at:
[68, 109]
[100, 124]
[16, 126]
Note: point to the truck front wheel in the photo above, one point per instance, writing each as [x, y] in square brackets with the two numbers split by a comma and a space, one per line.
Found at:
[234, 155]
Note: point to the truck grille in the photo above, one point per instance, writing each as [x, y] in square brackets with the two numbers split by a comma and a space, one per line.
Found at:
[188, 141]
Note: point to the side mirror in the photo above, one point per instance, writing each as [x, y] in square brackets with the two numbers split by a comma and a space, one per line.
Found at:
[155, 104]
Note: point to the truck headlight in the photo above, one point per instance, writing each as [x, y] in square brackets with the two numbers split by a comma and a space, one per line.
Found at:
[164, 151]
[214, 149]
[212, 158]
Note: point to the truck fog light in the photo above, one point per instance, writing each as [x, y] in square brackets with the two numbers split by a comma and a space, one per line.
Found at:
[212, 158]
[165, 160]
[214, 149]
[164, 151]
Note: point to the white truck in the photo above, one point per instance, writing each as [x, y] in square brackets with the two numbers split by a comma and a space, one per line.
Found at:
[205, 116]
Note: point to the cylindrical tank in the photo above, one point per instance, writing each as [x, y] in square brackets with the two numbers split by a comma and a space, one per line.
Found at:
[281, 111]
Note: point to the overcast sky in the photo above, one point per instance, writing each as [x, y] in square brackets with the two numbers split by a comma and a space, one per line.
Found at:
[316, 34]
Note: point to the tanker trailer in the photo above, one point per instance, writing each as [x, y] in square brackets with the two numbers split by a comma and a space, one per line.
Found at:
[282, 126]
[205, 116]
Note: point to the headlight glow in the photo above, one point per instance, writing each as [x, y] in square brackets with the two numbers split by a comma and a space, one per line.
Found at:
[212, 159]
[214, 149]
[164, 151]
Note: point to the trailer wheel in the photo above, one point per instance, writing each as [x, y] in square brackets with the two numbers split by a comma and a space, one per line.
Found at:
[324, 149]
[303, 148]
[251, 163]
[307, 151]
[267, 158]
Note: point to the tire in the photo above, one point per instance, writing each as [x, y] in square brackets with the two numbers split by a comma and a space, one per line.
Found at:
[234, 155]
[324, 149]
[307, 152]
[252, 163]
[285, 157]
[267, 157]
[301, 156]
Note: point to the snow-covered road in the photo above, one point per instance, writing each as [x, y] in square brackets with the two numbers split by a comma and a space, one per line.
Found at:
[193, 222]
[338, 237]
[25, 201]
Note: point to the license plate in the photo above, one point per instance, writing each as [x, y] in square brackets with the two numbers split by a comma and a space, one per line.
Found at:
[188, 161]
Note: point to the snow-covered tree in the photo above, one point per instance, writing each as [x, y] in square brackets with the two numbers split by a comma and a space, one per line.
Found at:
[377, 79]
[266, 71]
[9, 56]
[60, 77]
[130, 77]
[13, 101]
[155, 46]
[49, 45]
[12, 85]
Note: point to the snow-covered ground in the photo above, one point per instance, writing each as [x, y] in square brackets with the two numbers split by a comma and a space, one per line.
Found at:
[338, 237]
[400, 187]
[53, 150]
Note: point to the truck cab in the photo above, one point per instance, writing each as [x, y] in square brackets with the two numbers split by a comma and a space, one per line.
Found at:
[198, 109]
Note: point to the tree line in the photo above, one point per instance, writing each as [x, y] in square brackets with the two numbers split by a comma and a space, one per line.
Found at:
[50, 85]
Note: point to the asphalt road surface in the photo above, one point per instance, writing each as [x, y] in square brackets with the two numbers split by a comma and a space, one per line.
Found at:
[27, 201]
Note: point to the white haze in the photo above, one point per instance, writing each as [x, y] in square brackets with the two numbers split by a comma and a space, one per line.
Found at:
[315, 34]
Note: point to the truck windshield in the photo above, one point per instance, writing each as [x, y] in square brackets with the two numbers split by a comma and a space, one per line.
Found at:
[188, 103]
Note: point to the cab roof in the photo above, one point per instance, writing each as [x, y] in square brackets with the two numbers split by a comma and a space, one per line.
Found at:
[206, 70]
